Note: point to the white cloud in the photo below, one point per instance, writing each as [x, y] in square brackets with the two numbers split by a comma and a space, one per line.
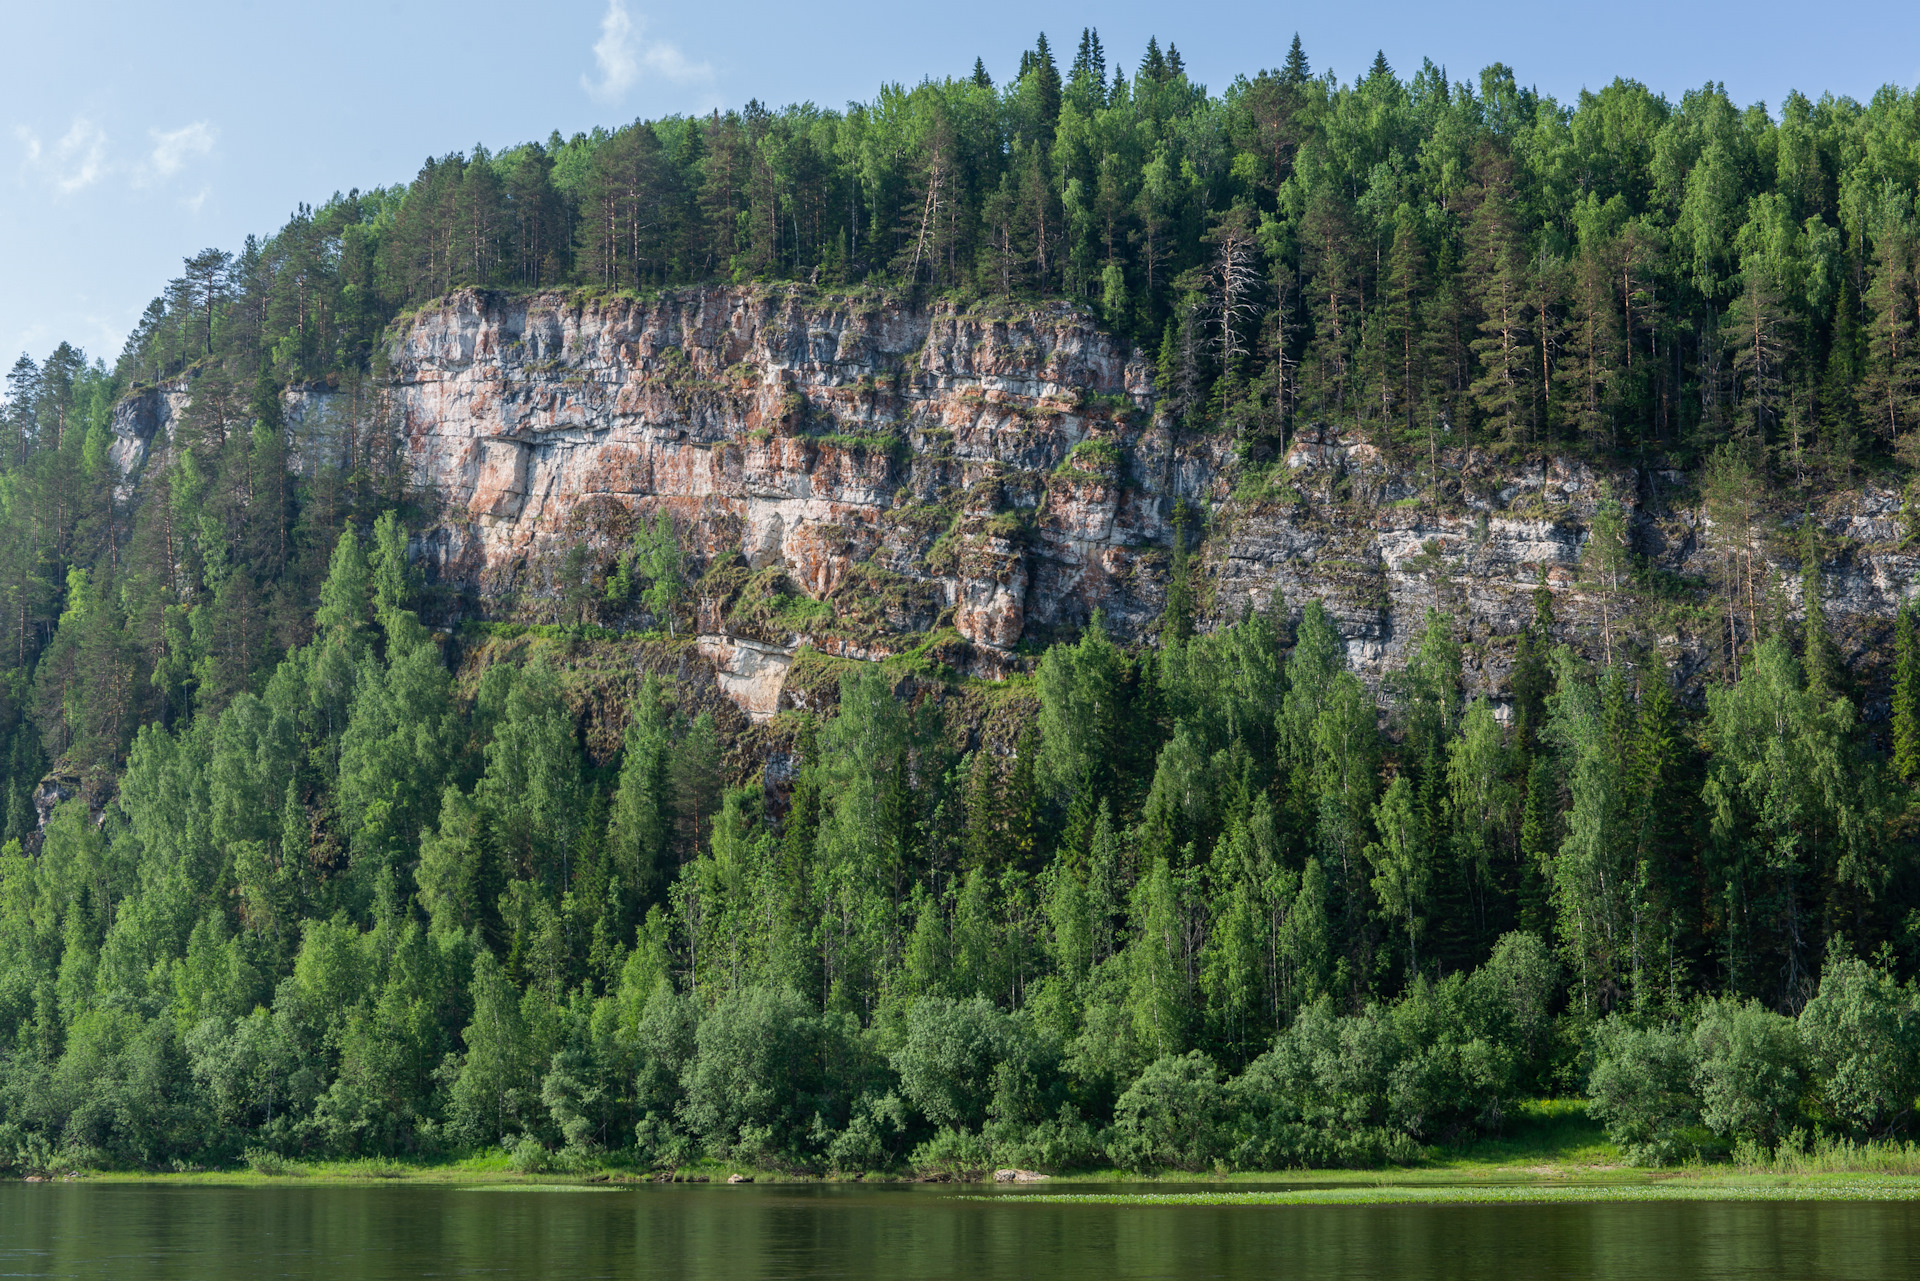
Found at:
[81, 157]
[623, 53]
[172, 149]
[77, 160]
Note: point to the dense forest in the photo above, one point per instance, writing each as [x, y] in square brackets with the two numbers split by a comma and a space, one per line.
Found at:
[1424, 257]
[289, 872]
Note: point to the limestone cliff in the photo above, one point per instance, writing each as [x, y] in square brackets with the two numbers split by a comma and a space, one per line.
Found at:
[869, 477]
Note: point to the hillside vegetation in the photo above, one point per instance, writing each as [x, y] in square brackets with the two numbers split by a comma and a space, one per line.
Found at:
[289, 872]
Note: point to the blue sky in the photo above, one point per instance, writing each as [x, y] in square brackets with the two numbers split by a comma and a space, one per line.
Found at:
[133, 134]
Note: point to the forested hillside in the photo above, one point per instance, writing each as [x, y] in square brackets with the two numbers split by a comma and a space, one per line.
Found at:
[294, 869]
[1424, 255]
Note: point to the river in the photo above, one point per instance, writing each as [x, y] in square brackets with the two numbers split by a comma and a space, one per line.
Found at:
[131, 1232]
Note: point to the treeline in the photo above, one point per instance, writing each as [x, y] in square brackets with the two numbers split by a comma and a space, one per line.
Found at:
[1432, 260]
[1207, 906]
[116, 613]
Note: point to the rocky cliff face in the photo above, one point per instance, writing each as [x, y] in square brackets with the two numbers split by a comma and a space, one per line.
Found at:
[870, 478]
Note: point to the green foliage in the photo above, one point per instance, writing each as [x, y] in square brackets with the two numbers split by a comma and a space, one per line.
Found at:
[767, 1071]
[1906, 698]
[1081, 709]
[1171, 1116]
[1748, 1071]
[656, 557]
[305, 891]
[1641, 1089]
[1862, 1037]
[1755, 1078]
[959, 1060]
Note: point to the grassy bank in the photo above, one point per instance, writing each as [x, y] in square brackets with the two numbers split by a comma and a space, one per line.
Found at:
[1536, 1191]
[1548, 1151]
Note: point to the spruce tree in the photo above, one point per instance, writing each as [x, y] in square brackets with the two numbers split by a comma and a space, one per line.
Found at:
[1906, 698]
[1296, 72]
[1817, 651]
[1021, 805]
[641, 823]
[1504, 348]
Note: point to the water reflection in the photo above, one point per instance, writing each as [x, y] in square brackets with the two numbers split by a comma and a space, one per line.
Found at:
[702, 1232]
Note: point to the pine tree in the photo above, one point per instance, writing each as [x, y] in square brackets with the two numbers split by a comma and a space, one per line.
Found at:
[1021, 803]
[1087, 81]
[207, 272]
[1590, 368]
[1840, 410]
[982, 844]
[1331, 247]
[1662, 796]
[1758, 340]
[1045, 87]
[1153, 63]
[1106, 882]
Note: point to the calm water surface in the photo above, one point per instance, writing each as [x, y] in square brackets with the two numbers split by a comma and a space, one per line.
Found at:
[697, 1233]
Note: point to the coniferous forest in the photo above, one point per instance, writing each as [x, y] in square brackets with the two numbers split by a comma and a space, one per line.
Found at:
[294, 871]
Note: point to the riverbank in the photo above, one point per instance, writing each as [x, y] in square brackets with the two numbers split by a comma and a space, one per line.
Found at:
[1548, 1151]
[1823, 1187]
[1297, 1187]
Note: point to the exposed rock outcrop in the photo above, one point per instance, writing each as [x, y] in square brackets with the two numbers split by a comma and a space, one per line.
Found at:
[867, 451]
[867, 476]
[138, 421]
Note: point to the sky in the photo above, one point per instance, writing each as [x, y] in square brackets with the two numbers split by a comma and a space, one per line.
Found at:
[134, 134]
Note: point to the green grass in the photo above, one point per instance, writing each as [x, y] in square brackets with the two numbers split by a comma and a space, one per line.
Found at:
[1539, 1131]
[1091, 458]
[801, 613]
[1828, 1188]
[1548, 1151]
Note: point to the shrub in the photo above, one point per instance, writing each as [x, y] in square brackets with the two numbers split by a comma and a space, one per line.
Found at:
[530, 1156]
[1513, 996]
[1319, 1096]
[267, 1161]
[1066, 1142]
[1748, 1071]
[764, 1083]
[1862, 1037]
[1453, 1068]
[872, 1138]
[1172, 1115]
[952, 1058]
[1641, 1089]
[959, 1154]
